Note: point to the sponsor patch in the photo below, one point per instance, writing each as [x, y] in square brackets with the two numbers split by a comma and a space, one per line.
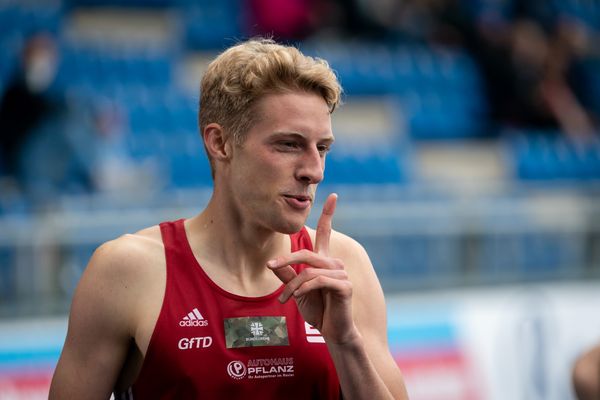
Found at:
[255, 331]
[262, 368]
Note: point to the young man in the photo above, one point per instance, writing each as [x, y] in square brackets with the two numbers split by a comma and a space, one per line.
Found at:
[196, 308]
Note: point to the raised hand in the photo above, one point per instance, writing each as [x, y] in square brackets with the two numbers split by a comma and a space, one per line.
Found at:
[322, 291]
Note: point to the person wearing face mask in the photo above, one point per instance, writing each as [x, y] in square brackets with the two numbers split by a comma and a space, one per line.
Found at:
[26, 103]
[46, 142]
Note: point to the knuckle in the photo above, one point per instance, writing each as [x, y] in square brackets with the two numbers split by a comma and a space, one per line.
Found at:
[307, 273]
[348, 288]
[321, 280]
[305, 253]
[280, 260]
[322, 228]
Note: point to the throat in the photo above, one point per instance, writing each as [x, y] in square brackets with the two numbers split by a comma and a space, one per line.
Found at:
[245, 284]
[236, 261]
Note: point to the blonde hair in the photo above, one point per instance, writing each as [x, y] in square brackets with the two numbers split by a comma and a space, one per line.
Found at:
[244, 73]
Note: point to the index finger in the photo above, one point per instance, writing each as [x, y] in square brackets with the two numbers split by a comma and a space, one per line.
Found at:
[285, 273]
[324, 225]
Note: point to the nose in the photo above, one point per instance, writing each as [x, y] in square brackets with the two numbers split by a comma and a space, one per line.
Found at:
[311, 167]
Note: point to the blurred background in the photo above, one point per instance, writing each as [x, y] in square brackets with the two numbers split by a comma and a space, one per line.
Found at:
[467, 162]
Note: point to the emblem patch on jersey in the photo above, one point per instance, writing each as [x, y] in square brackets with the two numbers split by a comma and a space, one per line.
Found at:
[255, 331]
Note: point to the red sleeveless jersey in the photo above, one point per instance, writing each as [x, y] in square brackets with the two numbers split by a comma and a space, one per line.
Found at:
[211, 344]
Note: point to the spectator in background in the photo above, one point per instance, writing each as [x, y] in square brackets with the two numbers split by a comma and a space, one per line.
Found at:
[565, 87]
[46, 144]
[541, 65]
[25, 105]
[355, 18]
[526, 103]
[530, 60]
[586, 375]
[404, 21]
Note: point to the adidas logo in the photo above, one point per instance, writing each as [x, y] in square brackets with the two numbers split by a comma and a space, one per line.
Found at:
[194, 318]
[312, 334]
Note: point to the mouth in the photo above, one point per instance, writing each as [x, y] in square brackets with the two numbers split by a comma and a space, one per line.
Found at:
[298, 201]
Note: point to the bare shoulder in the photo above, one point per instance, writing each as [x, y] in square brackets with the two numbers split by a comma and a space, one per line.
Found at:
[105, 314]
[124, 267]
[119, 275]
[130, 251]
[141, 241]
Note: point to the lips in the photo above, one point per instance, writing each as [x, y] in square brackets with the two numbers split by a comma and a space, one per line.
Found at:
[298, 201]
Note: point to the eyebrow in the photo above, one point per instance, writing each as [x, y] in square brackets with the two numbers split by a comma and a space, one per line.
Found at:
[282, 134]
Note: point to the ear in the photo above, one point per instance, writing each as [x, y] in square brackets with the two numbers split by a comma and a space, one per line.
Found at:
[217, 142]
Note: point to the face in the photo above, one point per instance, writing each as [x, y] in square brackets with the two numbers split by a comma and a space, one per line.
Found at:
[274, 174]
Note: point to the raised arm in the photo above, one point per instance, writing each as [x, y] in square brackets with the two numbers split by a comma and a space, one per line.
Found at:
[100, 326]
[341, 297]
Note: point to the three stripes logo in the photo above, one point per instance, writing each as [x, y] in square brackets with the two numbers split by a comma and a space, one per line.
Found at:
[194, 318]
[312, 334]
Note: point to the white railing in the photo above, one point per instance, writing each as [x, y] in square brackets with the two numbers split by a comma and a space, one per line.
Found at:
[416, 238]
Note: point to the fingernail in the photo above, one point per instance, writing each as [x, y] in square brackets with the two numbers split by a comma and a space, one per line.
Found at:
[271, 263]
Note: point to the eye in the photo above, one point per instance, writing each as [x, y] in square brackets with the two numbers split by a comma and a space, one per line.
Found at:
[288, 145]
[324, 148]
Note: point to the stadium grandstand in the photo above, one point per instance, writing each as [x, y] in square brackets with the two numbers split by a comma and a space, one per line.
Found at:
[467, 162]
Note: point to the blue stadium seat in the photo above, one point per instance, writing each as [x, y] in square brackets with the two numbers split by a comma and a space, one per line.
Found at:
[163, 112]
[376, 168]
[123, 3]
[414, 259]
[150, 144]
[552, 156]
[212, 25]
[106, 70]
[530, 253]
[429, 82]
[26, 19]
[190, 170]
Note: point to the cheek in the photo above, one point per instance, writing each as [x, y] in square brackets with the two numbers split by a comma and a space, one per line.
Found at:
[254, 182]
[256, 176]
[267, 168]
[259, 166]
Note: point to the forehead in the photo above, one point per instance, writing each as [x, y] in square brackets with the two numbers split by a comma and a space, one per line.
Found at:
[300, 112]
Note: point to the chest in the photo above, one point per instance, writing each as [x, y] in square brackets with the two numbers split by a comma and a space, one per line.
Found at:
[208, 343]
[211, 343]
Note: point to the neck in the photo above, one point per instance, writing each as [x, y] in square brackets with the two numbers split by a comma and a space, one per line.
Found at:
[238, 248]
